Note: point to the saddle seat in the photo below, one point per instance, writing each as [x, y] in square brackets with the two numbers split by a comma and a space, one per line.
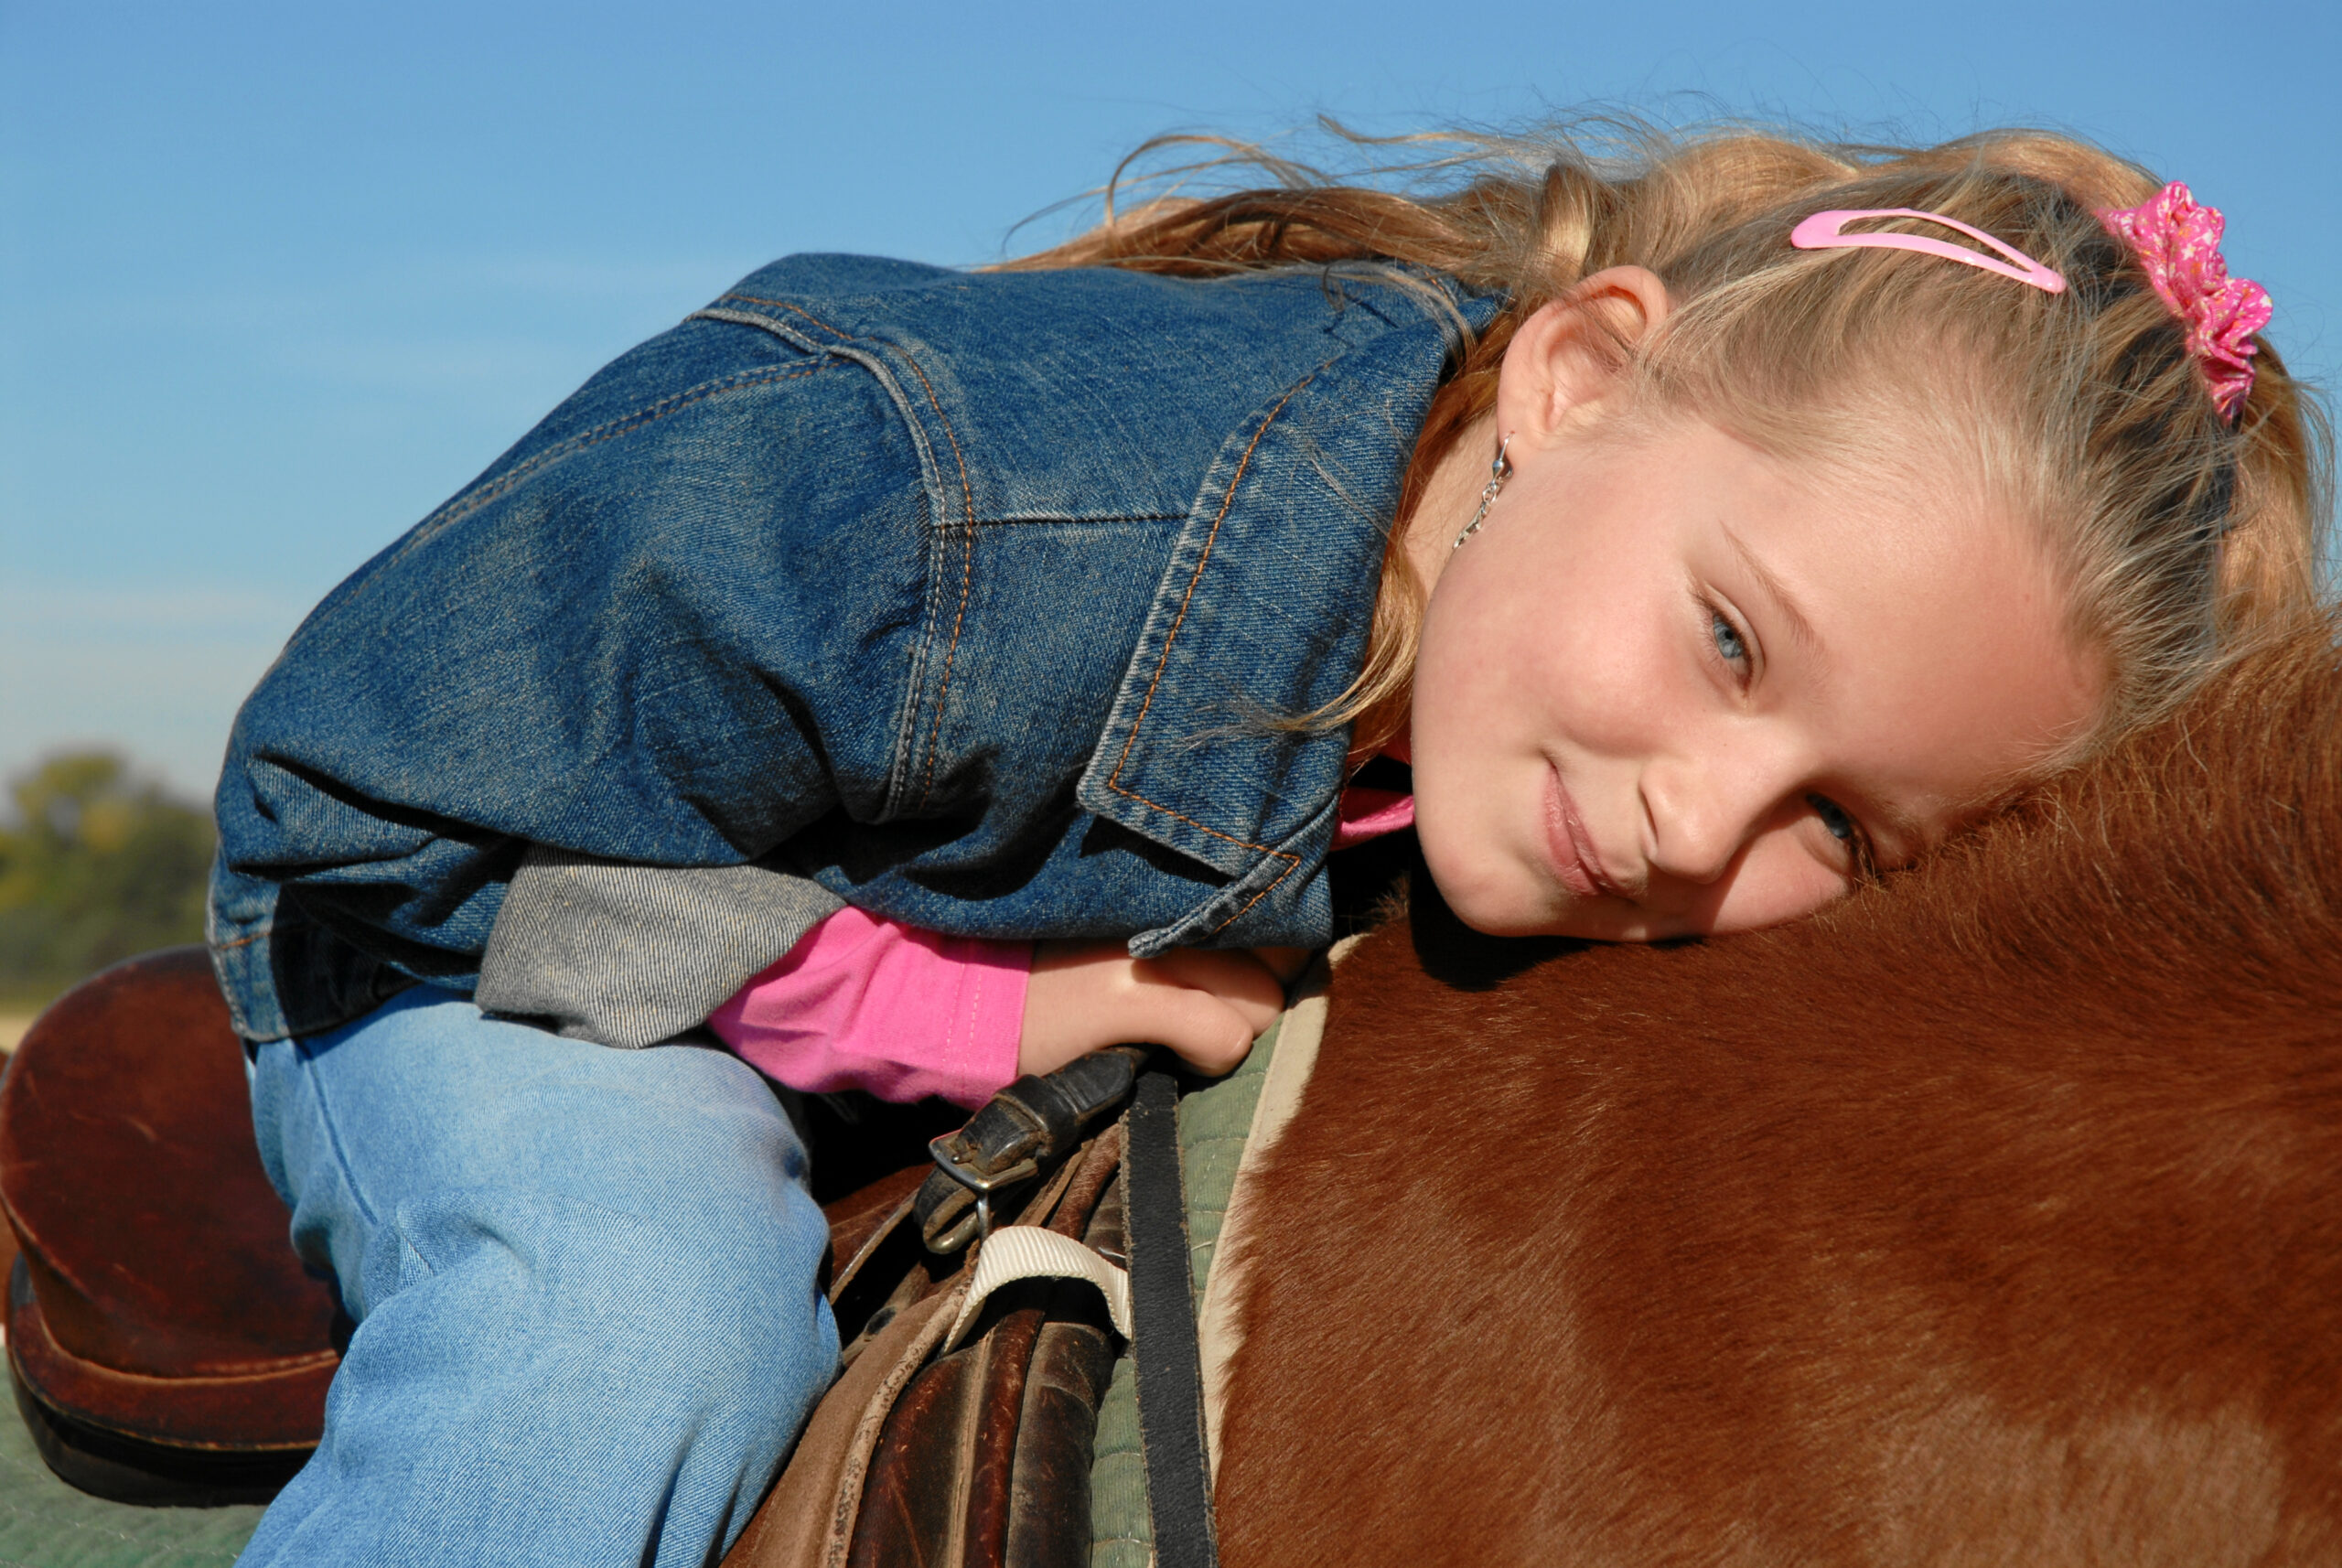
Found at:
[165, 1342]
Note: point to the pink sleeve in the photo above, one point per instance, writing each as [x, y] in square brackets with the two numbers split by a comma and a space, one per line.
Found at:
[1365, 815]
[863, 1003]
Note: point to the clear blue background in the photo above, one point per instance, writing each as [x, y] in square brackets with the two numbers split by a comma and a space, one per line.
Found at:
[275, 279]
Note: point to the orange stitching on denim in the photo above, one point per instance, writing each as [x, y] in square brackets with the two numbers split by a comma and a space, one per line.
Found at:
[968, 505]
[1263, 893]
[784, 305]
[1293, 862]
[1226, 502]
[967, 574]
[473, 501]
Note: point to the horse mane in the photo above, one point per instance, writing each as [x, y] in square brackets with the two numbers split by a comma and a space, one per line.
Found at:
[1994, 1215]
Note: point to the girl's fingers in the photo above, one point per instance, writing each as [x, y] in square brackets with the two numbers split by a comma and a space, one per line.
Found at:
[1206, 1006]
[1238, 979]
[1199, 1029]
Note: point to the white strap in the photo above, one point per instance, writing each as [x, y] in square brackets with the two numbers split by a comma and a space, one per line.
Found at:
[1029, 1252]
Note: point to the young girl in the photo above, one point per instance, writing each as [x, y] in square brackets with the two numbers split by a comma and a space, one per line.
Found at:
[1709, 531]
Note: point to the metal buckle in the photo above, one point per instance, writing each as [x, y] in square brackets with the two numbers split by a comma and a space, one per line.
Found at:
[976, 1181]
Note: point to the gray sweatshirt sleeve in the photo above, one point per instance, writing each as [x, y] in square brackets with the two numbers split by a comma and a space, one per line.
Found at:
[630, 955]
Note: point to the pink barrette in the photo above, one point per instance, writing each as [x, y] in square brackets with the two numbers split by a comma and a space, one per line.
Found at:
[2178, 243]
[1825, 232]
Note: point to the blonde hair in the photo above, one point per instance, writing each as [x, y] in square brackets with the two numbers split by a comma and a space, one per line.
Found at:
[2175, 533]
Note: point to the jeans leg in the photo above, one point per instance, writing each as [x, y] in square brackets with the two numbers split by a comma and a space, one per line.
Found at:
[584, 1282]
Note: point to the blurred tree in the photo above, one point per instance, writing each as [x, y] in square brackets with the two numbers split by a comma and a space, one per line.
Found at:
[97, 864]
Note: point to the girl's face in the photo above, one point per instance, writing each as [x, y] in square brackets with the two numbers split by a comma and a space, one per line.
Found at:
[1674, 687]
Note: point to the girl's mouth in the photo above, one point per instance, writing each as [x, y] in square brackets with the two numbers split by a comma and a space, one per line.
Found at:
[1569, 846]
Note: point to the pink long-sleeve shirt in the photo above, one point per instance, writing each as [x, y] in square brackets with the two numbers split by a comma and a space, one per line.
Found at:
[864, 1003]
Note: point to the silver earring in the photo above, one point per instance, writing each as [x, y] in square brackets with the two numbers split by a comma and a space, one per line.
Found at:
[1498, 472]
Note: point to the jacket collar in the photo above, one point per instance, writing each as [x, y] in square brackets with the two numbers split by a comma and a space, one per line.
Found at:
[1262, 614]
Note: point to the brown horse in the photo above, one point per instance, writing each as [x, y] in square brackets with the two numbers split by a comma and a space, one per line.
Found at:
[1993, 1217]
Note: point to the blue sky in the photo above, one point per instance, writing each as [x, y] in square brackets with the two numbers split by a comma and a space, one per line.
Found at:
[275, 279]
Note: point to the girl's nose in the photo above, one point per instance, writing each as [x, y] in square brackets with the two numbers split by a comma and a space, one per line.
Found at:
[1704, 809]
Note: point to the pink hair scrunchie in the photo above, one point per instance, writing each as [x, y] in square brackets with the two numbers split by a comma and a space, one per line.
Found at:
[2178, 243]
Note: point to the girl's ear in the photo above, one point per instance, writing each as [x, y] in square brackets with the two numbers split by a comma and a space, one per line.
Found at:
[1571, 352]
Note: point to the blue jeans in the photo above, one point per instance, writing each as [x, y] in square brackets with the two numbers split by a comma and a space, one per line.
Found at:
[584, 1281]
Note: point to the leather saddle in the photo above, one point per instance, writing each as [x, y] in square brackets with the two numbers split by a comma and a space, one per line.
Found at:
[167, 1347]
[164, 1343]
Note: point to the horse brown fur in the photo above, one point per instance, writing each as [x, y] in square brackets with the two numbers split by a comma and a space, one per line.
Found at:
[1995, 1216]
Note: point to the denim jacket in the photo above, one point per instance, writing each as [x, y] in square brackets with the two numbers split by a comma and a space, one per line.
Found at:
[966, 596]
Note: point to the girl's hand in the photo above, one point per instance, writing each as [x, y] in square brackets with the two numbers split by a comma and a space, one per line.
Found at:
[1206, 1004]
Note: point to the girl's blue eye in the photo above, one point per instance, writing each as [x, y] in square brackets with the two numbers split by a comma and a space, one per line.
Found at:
[1833, 817]
[1727, 637]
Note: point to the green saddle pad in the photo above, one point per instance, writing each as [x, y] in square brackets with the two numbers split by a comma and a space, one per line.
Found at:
[1215, 1123]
